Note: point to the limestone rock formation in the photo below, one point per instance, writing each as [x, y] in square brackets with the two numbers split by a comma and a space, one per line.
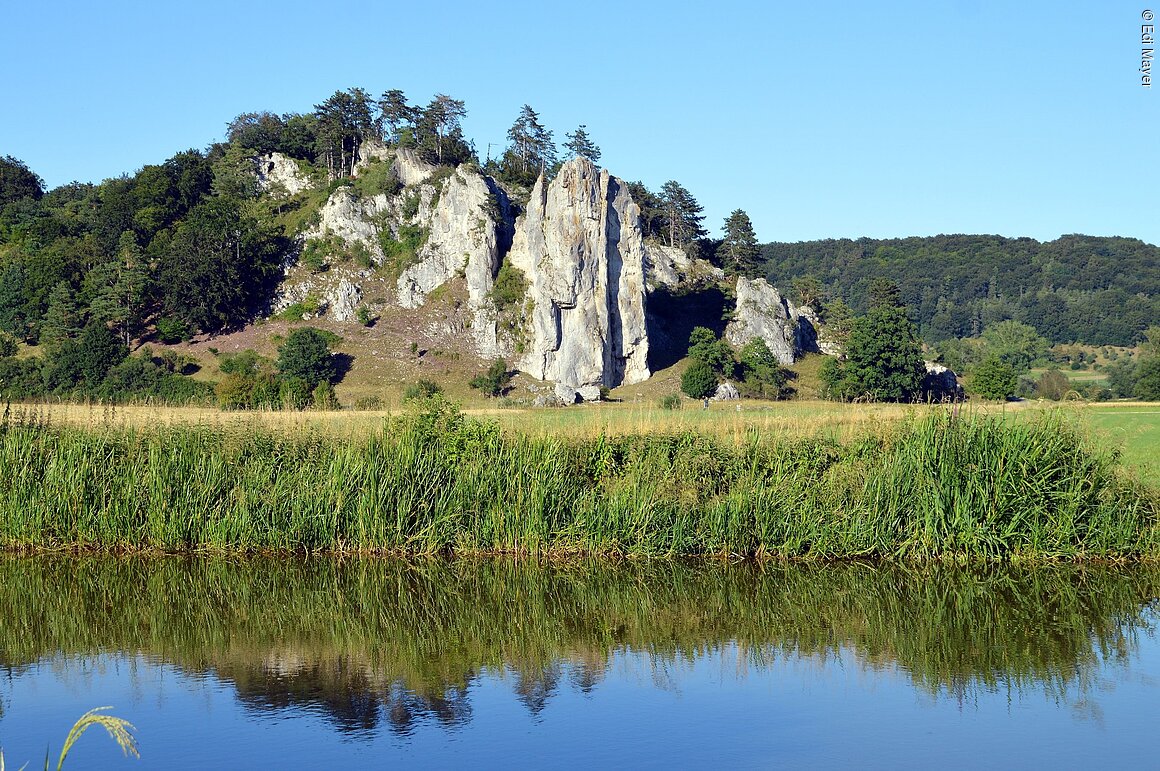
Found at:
[581, 248]
[941, 383]
[278, 174]
[343, 301]
[352, 219]
[461, 237]
[762, 312]
[461, 215]
[670, 266]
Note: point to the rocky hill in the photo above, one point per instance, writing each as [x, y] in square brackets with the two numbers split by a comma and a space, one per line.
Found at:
[562, 288]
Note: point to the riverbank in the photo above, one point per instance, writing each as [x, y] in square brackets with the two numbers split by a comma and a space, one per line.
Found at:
[436, 481]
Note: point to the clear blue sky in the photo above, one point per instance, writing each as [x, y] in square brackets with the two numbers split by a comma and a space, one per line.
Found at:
[837, 119]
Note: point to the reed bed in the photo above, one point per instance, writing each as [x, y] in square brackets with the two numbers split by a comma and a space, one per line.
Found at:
[435, 481]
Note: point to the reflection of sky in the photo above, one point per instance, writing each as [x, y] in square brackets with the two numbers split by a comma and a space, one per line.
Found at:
[721, 709]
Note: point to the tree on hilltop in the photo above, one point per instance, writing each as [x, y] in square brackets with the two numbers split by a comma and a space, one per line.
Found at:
[532, 150]
[18, 181]
[396, 116]
[579, 144]
[739, 252]
[345, 121]
[683, 215]
[440, 130]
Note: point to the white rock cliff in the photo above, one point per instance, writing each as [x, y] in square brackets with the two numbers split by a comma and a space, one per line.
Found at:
[580, 246]
[762, 312]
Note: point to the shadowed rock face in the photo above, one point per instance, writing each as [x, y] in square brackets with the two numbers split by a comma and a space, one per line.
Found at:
[581, 248]
[763, 312]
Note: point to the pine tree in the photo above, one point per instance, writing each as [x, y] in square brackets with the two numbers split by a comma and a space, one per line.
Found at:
[345, 121]
[118, 289]
[682, 214]
[61, 319]
[579, 144]
[739, 251]
[532, 150]
[395, 115]
[439, 126]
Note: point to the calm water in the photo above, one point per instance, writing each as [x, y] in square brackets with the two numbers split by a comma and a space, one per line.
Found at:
[494, 663]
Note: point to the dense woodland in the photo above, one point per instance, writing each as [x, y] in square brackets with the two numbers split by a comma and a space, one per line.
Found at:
[91, 272]
[1094, 290]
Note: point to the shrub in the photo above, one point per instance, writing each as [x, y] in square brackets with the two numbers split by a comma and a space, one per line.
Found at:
[1148, 379]
[995, 380]
[699, 380]
[705, 346]
[324, 397]
[671, 402]
[494, 381]
[293, 393]
[763, 375]
[8, 345]
[297, 311]
[424, 389]
[306, 354]
[171, 330]
[510, 287]
[1053, 384]
[364, 316]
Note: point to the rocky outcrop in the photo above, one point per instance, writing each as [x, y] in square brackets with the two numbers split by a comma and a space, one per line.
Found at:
[336, 293]
[941, 383]
[461, 216]
[461, 238]
[406, 164]
[463, 223]
[352, 219]
[343, 301]
[278, 174]
[581, 248]
[670, 266]
[762, 312]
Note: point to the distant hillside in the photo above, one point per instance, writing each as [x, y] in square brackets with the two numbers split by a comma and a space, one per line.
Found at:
[1101, 291]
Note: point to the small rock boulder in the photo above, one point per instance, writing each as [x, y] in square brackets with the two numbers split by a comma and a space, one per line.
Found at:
[726, 392]
[566, 394]
[941, 383]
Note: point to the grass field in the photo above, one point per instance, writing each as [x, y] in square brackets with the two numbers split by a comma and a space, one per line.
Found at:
[923, 483]
[1134, 428]
[1131, 427]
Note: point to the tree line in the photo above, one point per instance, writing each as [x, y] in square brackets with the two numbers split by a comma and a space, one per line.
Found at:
[1096, 290]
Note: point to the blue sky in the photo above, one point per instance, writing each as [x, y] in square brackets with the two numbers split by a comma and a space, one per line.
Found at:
[819, 119]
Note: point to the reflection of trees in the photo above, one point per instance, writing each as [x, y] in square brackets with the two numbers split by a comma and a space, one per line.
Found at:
[374, 642]
[536, 686]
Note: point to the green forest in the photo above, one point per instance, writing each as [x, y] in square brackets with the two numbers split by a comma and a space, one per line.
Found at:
[1088, 289]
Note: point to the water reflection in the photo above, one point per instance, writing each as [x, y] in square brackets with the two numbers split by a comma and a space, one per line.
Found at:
[390, 643]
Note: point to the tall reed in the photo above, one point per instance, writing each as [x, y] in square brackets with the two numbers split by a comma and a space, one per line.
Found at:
[436, 480]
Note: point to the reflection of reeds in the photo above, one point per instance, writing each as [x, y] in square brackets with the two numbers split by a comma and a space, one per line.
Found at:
[286, 631]
[434, 481]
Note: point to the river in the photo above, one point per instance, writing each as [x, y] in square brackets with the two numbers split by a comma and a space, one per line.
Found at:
[321, 662]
